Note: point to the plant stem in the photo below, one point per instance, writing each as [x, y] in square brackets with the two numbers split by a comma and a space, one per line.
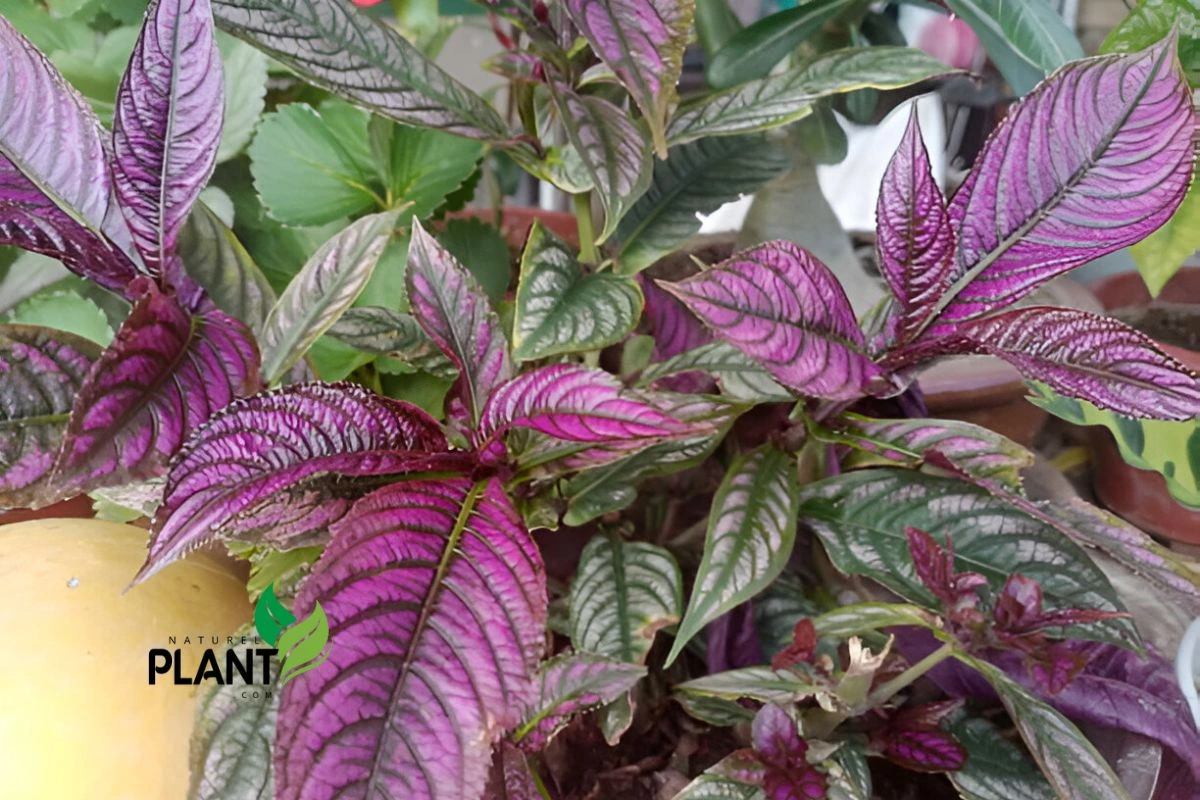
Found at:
[587, 236]
[901, 681]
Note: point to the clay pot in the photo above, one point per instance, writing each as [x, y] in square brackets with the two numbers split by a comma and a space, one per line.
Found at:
[75, 508]
[515, 222]
[1141, 496]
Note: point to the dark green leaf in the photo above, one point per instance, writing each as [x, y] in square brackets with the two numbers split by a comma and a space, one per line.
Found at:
[482, 249]
[420, 166]
[996, 769]
[383, 332]
[1026, 39]
[216, 260]
[716, 24]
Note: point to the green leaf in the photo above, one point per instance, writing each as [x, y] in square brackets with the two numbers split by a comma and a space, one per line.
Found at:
[340, 48]
[717, 711]
[612, 148]
[1026, 39]
[781, 99]
[245, 94]
[733, 778]
[63, 310]
[996, 769]
[327, 285]
[751, 530]
[696, 178]
[383, 332]
[753, 51]
[754, 683]
[420, 166]
[861, 517]
[562, 309]
[232, 740]
[622, 594]
[1172, 449]
[482, 249]
[716, 24]
[304, 172]
[216, 260]
[822, 136]
[847, 621]
[1160, 255]
[741, 378]
[777, 610]
[1067, 758]
[849, 774]
[571, 684]
[127, 12]
[1150, 21]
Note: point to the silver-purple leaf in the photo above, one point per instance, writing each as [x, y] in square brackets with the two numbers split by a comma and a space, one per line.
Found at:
[915, 240]
[436, 600]
[1092, 161]
[642, 41]
[1087, 356]
[576, 404]
[511, 777]
[167, 124]
[166, 372]
[783, 308]
[612, 149]
[41, 371]
[571, 684]
[454, 310]
[279, 467]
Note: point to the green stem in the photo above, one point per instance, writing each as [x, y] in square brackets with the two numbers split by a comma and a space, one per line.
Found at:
[587, 236]
[888, 690]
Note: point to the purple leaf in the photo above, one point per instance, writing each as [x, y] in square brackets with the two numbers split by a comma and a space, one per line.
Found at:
[576, 404]
[453, 309]
[1087, 356]
[436, 599]
[915, 242]
[166, 372]
[675, 330]
[924, 750]
[277, 467]
[786, 310]
[1090, 162]
[571, 684]
[784, 754]
[642, 41]
[935, 568]
[511, 777]
[731, 641]
[167, 124]
[55, 195]
[41, 371]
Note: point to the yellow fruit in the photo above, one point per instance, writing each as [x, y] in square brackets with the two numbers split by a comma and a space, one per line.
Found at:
[78, 718]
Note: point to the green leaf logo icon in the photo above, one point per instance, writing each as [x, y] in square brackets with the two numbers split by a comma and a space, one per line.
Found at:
[270, 617]
[302, 646]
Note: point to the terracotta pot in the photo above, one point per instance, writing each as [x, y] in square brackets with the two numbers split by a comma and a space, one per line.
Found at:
[515, 222]
[76, 508]
[1141, 496]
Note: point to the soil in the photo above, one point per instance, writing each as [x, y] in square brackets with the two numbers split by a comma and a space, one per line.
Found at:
[1172, 323]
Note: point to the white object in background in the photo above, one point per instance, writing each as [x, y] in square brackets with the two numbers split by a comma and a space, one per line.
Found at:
[852, 187]
[1187, 667]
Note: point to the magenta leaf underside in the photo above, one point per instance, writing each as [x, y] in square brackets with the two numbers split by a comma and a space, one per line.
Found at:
[576, 404]
[571, 684]
[1093, 160]
[786, 310]
[675, 330]
[786, 774]
[453, 309]
[282, 466]
[166, 372]
[511, 777]
[41, 371]
[915, 240]
[436, 601]
[167, 124]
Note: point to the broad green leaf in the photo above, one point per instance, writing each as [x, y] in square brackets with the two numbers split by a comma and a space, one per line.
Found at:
[736, 777]
[752, 52]
[421, 166]
[622, 594]
[716, 24]
[327, 286]
[717, 711]
[339, 48]
[394, 334]
[789, 96]
[245, 94]
[612, 148]
[63, 310]
[1151, 21]
[1160, 255]
[740, 377]
[571, 684]
[861, 518]
[755, 683]
[562, 309]
[128, 12]
[1172, 449]
[1067, 758]
[751, 530]
[304, 172]
[216, 260]
[232, 739]
[1026, 39]
[996, 768]
[482, 249]
[696, 178]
